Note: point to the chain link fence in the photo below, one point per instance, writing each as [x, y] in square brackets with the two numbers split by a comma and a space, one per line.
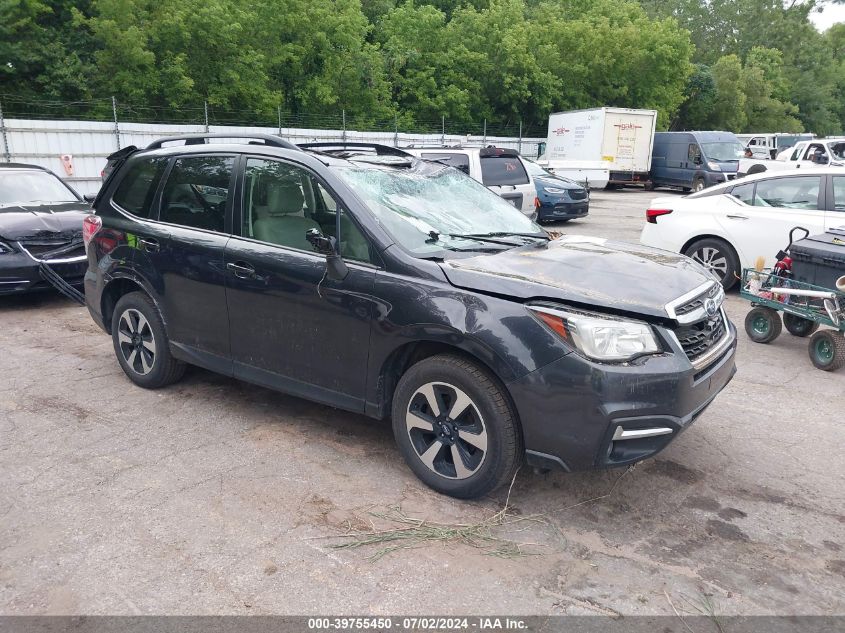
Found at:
[73, 138]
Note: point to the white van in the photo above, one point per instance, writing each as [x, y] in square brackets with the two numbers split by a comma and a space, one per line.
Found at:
[499, 169]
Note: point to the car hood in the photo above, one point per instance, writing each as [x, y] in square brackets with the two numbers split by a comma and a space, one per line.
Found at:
[560, 183]
[592, 272]
[42, 221]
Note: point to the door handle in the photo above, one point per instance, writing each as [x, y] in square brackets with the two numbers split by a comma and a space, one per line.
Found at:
[241, 270]
[149, 244]
[736, 216]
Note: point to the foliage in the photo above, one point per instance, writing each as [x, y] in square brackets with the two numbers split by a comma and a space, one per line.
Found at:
[755, 65]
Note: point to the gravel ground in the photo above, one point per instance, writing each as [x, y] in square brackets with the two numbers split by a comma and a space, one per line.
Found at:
[214, 496]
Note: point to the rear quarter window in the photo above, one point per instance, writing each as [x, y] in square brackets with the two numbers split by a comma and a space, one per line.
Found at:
[502, 170]
[137, 188]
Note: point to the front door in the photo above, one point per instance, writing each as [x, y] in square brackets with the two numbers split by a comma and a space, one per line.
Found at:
[292, 328]
[769, 209]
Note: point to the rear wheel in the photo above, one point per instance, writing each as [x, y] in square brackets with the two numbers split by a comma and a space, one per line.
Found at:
[827, 350]
[141, 344]
[763, 325]
[799, 326]
[455, 427]
[718, 257]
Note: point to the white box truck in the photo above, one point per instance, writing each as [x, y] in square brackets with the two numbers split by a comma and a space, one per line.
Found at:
[600, 146]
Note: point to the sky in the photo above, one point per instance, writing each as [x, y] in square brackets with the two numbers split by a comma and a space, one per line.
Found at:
[832, 14]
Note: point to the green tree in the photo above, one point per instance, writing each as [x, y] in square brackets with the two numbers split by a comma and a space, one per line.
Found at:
[729, 104]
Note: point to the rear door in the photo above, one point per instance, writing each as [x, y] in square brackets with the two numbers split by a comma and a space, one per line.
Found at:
[764, 212]
[183, 252]
[503, 173]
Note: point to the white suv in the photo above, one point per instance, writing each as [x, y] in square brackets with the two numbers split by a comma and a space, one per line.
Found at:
[500, 170]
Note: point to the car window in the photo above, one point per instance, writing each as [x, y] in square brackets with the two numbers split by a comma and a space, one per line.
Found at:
[745, 192]
[137, 188]
[693, 153]
[801, 192]
[795, 154]
[282, 202]
[196, 192]
[25, 187]
[839, 193]
[502, 170]
[458, 161]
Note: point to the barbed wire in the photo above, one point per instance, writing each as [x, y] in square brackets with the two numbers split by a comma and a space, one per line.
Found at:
[106, 109]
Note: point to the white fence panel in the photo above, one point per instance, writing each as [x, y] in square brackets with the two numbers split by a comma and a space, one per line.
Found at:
[90, 142]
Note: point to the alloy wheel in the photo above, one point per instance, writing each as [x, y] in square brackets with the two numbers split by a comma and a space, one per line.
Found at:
[713, 259]
[446, 430]
[136, 341]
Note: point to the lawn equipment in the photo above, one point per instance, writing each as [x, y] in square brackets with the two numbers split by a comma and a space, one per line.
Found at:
[805, 306]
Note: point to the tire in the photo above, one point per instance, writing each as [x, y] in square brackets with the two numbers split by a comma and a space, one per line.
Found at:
[484, 437]
[827, 350]
[763, 325]
[141, 344]
[648, 186]
[717, 256]
[798, 326]
[698, 185]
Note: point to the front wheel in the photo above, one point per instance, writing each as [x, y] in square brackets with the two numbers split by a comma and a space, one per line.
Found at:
[455, 427]
[799, 326]
[140, 343]
[698, 185]
[717, 257]
[827, 350]
[763, 325]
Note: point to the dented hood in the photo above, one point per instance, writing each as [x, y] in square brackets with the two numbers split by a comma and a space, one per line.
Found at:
[582, 270]
[37, 221]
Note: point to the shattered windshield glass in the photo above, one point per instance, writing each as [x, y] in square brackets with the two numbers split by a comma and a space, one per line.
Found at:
[425, 208]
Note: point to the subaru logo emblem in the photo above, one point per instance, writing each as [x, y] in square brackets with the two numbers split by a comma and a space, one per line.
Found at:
[710, 307]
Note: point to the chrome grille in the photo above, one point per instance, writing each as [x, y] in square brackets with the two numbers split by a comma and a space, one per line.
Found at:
[698, 302]
[696, 339]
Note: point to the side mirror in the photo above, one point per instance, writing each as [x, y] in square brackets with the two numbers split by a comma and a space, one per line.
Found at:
[820, 159]
[89, 197]
[336, 269]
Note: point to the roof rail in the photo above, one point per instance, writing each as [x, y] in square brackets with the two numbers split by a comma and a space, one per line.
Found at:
[200, 139]
[329, 147]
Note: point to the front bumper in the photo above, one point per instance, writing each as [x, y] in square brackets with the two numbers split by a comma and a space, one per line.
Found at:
[580, 415]
[19, 272]
[563, 210]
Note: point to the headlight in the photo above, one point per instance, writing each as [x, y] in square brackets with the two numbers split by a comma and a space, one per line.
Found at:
[597, 336]
[714, 166]
[5, 248]
[554, 190]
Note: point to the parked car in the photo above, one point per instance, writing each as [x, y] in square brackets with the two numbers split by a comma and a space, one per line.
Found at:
[727, 227]
[768, 146]
[501, 170]
[804, 155]
[558, 199]
[391, 286]
[40, 224]
[694, 160]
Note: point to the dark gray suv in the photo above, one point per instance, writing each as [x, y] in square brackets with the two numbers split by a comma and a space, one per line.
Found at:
[372, 281]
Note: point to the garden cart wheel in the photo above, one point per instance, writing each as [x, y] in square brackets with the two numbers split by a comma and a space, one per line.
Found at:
[763, 325]
[799, 326]
[827, 350]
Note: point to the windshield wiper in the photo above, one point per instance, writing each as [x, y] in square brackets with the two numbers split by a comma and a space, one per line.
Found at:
[486, 236]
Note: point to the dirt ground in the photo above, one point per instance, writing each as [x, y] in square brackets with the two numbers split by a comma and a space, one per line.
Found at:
[214, 496]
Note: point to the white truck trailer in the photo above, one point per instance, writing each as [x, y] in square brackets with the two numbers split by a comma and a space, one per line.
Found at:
[600, 146]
